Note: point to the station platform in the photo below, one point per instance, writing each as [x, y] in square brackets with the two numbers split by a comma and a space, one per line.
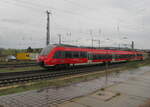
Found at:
[134, 92]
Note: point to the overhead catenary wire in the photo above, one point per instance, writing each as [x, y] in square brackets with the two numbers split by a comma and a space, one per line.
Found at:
[38, 7]
[78, 5]
[21, 5]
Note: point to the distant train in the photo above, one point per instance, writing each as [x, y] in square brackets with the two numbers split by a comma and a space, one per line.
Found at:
[20, 57]
[65, 55]
[26, 56]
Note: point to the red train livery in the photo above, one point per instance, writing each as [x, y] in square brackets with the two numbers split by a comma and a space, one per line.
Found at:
[62, 55]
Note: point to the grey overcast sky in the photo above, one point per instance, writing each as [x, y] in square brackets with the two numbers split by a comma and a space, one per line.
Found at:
[114, 22]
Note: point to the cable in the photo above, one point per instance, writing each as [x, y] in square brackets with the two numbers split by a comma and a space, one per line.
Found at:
[77, 4]
[20, 5]
[38, 7]
[34, 7]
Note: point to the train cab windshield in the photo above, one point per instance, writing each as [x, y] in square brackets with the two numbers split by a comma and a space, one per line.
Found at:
[46, 50]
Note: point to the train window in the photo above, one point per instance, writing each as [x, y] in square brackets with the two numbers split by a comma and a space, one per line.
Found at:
[109, 56]
[68, 54]
[94, 56]
[100, 56]
[58, 54]
[128, 56]
[103, 56]
[124, 56]
[117, 56]
[76, 54]
[83, 55]
[139, 54]
[121, 56]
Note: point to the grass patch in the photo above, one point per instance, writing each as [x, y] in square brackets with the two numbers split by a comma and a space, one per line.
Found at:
[18, 62]
[67, 80]
[20, 69]
[137, 64]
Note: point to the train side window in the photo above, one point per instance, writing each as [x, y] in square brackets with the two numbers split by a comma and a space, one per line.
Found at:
[124, 56]
[97, 56]
[109, 56]
[58, 54]
[68, 54]
[105, 56]
[116, 56]
[113, 56]
[120, 56]
[139, 54]
[94, 56]
[100, 56]
[83, 55]
[76, 54]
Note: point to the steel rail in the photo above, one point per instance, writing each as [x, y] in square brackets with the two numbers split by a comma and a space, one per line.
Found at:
[7, 79]
[17, 65]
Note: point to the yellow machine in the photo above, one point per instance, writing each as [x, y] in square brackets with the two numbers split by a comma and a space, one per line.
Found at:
[23, 56]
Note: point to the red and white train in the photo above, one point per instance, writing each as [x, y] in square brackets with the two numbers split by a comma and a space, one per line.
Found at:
[65, 55]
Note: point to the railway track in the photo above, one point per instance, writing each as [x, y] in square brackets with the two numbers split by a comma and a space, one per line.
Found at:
[7, 79]
[17, 65]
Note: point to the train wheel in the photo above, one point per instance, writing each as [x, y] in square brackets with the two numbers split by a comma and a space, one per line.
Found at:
[67, 66]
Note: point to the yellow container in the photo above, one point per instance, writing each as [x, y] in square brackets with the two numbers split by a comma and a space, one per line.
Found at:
[23, 56]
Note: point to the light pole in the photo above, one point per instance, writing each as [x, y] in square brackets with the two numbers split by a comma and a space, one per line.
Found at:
[59, 38]
[132, 45]
[91, 34]
[98, 42]
[48, 28]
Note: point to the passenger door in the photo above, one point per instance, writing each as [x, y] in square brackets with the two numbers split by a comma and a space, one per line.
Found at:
[90, 58]
[113, 57]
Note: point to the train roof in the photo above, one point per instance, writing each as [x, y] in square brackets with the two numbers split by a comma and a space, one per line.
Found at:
[103, 48]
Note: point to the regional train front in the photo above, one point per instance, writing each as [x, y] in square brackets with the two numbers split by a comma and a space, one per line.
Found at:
[44, 56]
